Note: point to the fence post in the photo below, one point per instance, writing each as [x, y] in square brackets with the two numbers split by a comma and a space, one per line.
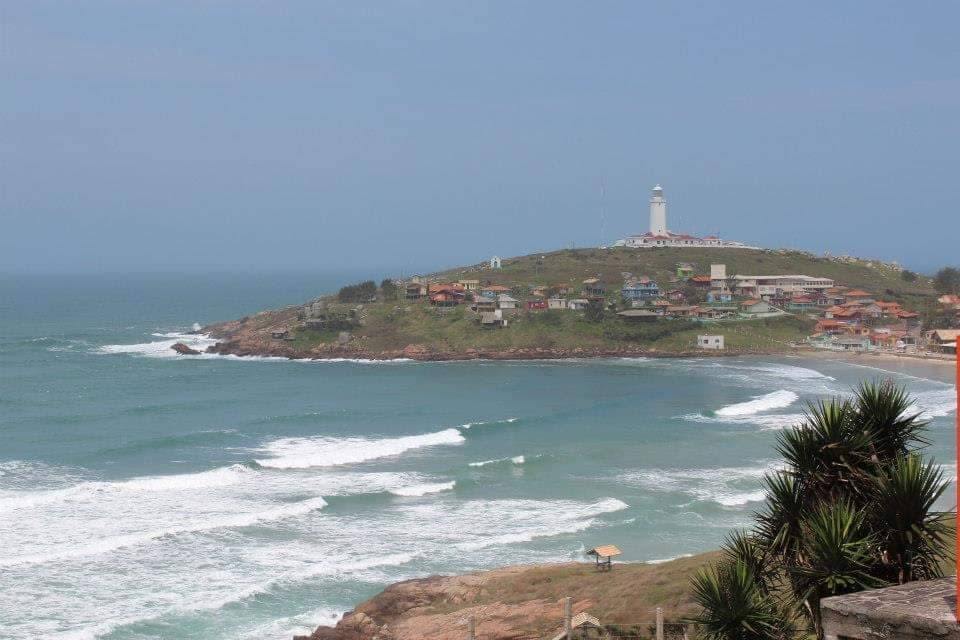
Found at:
[471, 628]
[659, 623]
[567, 616]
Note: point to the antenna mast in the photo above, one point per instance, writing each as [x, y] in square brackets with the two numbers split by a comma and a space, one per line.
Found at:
[603, 213]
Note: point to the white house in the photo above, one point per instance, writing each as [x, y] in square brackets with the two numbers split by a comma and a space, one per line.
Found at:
[771, 286]
[506, 303]
[556, 303]
[495, 262]
[710, 342]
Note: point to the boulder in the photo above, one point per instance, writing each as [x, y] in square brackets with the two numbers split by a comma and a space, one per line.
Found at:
[184, 350]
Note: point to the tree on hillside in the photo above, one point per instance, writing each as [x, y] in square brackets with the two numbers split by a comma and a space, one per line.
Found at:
[947, 280]
[361, 292]
[594, 311]
[908, 276]
[851, 510]
[388, 289]
[936, 316]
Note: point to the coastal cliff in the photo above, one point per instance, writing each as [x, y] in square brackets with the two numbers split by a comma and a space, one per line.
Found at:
[519, 602]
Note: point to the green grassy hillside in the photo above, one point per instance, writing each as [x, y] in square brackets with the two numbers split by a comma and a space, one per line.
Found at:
[389, 325]
[573, 265]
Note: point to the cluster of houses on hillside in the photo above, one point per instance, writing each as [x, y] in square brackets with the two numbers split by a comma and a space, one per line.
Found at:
[856, 320]
[688, 296]
[848, 319]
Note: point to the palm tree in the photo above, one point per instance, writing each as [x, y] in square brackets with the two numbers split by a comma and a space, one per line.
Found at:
[913, 536]
[734, 606]
[837, 557]
[852, 510]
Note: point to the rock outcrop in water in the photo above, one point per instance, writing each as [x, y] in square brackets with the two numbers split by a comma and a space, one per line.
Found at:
[185, 350]
[518, 603]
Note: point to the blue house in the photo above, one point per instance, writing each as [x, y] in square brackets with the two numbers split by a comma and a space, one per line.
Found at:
[719, 296]
[642, 289]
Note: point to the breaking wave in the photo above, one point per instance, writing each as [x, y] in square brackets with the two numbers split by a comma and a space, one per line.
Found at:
[99, 490]
[161, 348]
[468, 425]
[774, 400]
[485, 463]
[304, 453]
[108, 544]
[766, 421]
[417, 490]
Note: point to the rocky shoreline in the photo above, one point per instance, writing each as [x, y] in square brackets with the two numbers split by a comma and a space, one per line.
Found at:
[424, 353]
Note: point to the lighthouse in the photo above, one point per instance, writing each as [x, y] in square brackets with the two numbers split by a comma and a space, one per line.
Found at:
[658, 212]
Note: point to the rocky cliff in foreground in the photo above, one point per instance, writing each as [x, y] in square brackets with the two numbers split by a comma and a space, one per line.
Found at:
[518, 603]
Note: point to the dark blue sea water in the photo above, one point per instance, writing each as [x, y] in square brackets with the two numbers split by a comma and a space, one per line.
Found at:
[146, 495]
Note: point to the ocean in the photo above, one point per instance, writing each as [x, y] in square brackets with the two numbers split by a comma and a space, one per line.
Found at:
[149, 495]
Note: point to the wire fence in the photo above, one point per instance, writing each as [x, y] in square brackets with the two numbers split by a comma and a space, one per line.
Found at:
[638, 631]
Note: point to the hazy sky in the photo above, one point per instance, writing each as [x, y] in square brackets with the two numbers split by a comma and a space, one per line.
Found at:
[268, 135]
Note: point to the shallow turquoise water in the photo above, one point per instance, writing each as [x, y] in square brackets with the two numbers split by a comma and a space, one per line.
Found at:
[146, 495]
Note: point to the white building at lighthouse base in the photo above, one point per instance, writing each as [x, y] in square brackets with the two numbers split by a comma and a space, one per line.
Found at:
[669, 239]
[660, 236]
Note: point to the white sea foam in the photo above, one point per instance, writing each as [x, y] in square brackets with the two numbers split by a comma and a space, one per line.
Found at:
[468, 425]
[101, 544]
[99, 490]
[303, 453]
[936, 403]
[766, 421]
[303, 571]
[161, 348]
[512, 460]
[791, 372]
[96, 518]
[105, 545]
[301, 624]
[200, 342]
[727, 486]
[767, 402]
[670, 559]
[416, 490]
[526, 520]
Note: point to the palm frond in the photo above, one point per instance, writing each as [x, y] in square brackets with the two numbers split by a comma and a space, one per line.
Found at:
[914, 536]
[884, 411]
[733, 607]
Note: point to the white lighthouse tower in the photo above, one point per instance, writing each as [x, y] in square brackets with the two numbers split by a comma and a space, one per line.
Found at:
[658, 212]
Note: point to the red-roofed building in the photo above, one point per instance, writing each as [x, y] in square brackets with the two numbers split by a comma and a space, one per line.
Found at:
[832, 327]
[888, 340]
[493, 290]
[447, 294]
[536, 304]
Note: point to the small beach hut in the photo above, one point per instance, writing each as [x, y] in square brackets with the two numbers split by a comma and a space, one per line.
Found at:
[604, 555]
[583, 626]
